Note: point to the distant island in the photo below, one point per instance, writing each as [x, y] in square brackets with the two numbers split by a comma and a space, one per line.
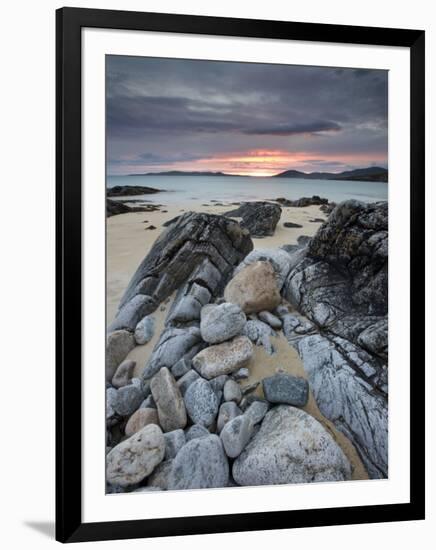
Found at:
[182, 173]
[373, 173]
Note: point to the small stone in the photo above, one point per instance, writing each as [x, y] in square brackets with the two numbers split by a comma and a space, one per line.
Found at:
[228, 411]
[170, 406]
[186, 380]
[291, 224]
[254, 288]
[144, 330]
[197, 430]
[118, 345]
[135, 458]
[140, 419]
[174, 441]
[221, 322]
[128, 399]
[123, 374]
[257, 410]
[232, 391]
[270, 319]
[201, 402]
[182, 366]
[223, 358]
[284, 388]
[236, 434]
[241, 374]
[201, 463]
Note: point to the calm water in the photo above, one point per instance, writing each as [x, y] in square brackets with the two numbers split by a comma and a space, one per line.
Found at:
[206, 188]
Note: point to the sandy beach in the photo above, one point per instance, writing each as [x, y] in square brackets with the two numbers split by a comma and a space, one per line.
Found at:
[128, 241]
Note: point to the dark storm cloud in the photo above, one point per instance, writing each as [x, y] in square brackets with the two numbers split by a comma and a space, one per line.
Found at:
[293, 129]
[165, 111]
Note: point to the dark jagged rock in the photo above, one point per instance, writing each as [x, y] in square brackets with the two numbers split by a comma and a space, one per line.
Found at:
[198, 248]
[303, 201]
[327, 208]
[169, 222]
[130, 190]
[260, 218]
[340, 284]
[291, 224]
[115, 207]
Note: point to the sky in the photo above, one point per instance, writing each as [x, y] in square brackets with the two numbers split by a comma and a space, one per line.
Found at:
[242, 118]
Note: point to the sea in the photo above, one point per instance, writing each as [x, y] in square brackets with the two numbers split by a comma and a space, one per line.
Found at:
[203, 189]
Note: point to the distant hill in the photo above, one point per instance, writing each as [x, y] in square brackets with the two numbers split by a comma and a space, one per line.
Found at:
[372, 173]
[182, 173]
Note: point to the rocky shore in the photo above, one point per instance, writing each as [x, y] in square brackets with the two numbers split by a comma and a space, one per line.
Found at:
[215, 404]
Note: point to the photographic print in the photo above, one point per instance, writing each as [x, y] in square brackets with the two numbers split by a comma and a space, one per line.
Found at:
[247, 274]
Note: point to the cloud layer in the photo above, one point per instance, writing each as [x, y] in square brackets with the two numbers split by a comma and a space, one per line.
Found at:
[165, 114]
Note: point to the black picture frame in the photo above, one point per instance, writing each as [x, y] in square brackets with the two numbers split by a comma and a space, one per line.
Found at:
[69, 23]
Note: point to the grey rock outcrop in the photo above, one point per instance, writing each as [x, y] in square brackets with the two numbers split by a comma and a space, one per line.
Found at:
[197, 247]
[349, 401]
[260, 218]
[340, 284]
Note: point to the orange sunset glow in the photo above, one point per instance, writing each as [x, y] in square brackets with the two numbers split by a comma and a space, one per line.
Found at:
[269, 162]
